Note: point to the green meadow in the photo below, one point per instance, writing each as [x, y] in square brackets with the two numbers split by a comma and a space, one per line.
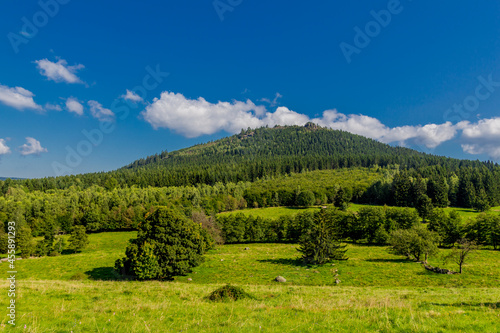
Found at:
[275, 212]
[378, 292]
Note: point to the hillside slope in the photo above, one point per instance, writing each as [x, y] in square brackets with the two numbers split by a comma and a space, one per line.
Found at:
[254, 154]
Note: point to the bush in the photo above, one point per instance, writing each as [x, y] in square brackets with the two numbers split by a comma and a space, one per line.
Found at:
[306, 199]
[228, 293]
[168, 244]
[414, 243]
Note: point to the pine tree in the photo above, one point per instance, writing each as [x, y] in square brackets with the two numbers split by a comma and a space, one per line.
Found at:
[321, 243]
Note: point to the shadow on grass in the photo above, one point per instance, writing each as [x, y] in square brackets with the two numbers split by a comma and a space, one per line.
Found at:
[104, 274]
[404, 261]
[491, 305]
[282, 261]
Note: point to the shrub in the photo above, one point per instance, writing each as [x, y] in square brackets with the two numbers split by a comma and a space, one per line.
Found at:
[168, 244]
[414, 243]
[228, 293]
[306, 199]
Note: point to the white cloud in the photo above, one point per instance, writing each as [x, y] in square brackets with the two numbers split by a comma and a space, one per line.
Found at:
[482, 137]
[53, 107]
[18, 98]
[59, 71]
[197, 117]
[73, 105]
[32, 146]
[4, 149]
[131, 96]
[102, 114]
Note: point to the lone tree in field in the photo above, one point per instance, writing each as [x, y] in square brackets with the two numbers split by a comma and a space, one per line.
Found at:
[78, 239]
[168, 244]
[321, 241]
[461, 253]
[416, 243]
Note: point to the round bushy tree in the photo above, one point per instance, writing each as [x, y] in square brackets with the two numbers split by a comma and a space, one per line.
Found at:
[306, 199]
[168, 244]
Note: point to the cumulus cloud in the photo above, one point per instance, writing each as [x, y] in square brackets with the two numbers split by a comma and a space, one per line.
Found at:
[4, 149]
[18, 98]
[73, 105]
[59, 71]
[195, 117]
[100, 113]
[482, 137]
[131, 96]
[31, 147]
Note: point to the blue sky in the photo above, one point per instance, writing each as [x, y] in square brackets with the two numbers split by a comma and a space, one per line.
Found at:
[416, 73]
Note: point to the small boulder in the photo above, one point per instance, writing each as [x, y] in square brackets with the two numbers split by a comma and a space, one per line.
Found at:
[189, 279]
[280, 279]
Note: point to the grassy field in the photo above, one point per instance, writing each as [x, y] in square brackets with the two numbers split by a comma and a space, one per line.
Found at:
[275, 212]
[378, 292]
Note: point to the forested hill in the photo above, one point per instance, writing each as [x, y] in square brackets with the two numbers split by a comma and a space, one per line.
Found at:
[254, 154]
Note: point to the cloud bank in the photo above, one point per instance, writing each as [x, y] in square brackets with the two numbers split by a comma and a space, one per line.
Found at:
[195, 117]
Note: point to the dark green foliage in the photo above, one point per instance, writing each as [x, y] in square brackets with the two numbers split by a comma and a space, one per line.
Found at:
[484, 230]
[228, 293]
[25, 242]
[424, 206]
[400, 218]
[4, 241]
[372, 222]
[416, 243]
[481, 202]
[305, 199]
[437, 190]
[78, 239]
[320, 242]
[168, 244]
[447, 226]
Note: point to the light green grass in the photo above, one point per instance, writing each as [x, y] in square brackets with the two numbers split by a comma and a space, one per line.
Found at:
[58, 306]
[275, 212]
[379, 292]
[272, 212]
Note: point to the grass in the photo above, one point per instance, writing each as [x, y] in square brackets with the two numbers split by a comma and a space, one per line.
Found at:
[379, 292]
[275, 212]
